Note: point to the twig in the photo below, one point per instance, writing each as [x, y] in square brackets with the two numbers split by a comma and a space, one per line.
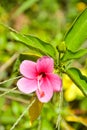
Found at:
[60, 109]
[8, 91]
[17, 99]
[15, 91]
[10, 79]
[8, 63]
[20, 117]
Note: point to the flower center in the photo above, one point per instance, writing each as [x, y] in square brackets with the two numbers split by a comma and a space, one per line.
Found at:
[41, 75]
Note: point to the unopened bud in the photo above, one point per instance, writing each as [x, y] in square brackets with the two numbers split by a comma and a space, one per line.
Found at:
[62, 47]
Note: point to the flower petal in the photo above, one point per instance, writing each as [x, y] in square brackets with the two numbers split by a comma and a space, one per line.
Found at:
[45, 64]
[55, 81]
[28, 69]
[27, 85]
[46, 91]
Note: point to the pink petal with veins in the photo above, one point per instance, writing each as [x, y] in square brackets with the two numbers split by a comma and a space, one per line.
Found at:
[27, 85]
[28, 69]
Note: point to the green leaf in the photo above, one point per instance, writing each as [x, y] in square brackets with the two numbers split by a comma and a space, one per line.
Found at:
[35, 43]
[35, 109]
[79, 79]
[29, 56]
[69, 55]
[47, 48]
[77, 33]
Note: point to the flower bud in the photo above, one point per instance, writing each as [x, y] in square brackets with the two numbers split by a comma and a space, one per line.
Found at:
[61, 47]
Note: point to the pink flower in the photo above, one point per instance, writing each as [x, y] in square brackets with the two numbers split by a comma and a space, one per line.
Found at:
[39, 77]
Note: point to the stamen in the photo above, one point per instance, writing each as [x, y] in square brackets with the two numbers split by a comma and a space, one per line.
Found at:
[39, 86]
[39, 90]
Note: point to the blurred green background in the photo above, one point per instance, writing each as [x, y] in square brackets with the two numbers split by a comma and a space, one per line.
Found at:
[49, 20]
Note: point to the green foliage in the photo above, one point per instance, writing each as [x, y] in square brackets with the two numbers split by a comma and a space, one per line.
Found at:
[73, 41]
[77, 34]
[35, 43]
[69, 55]
[62, 47]
[79, 79]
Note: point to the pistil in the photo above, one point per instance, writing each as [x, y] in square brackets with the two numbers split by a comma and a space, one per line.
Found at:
[39, 88]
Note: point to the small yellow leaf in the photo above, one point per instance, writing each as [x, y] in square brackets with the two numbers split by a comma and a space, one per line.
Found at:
[66, 126]
[74, 118]
[35, 109]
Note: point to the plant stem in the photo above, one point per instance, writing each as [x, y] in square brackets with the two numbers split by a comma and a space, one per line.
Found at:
[10, 90]
[10, 79]
[8, 64]
[60, 99]
[15, 91]
[20, 117]
[59, 59]
[17, 99]
[60, 109]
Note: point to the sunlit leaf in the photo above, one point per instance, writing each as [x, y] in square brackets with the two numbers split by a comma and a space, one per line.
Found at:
[69, 55]
[77, 33]
[79, 79]
[66, 126]
[74, 118]
[35, 44]
[35, 110]
[29, 56]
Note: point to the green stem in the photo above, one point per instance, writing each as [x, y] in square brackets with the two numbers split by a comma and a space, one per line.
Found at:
[8, 91]
[20, 117]
[59, 59]
[60, 109]
[10, 79]
[17, 99]
[15, 91]
[60, 99]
